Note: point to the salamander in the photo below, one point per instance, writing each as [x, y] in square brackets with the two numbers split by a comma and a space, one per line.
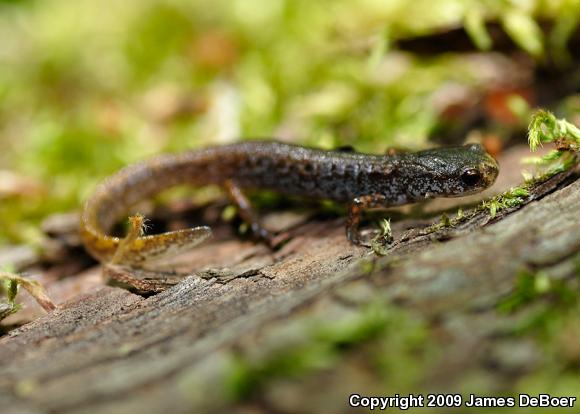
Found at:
[361, 180]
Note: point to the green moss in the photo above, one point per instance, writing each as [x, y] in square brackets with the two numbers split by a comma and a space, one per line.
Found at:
[545, 127]
[475, 27]
[11, 290]
[446, 222]
[511, 198]
[381, 241]
[549, 300]
[76, 92]
[328, 343]
[524, 30]
[546, 308]
[525, 291]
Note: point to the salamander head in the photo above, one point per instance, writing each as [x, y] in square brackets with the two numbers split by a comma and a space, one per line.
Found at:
[451, 172]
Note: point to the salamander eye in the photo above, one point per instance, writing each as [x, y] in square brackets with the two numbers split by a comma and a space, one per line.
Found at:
[471, 177]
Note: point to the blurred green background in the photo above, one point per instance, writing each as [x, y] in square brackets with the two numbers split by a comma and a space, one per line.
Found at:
[89, 86]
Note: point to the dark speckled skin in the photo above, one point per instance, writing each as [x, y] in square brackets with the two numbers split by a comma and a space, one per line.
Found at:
[384, 180]
[342, 176]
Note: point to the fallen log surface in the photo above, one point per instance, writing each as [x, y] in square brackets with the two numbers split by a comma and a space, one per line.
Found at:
[299, 330]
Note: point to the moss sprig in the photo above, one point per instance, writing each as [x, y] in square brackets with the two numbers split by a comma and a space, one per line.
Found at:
[11, 282]
[381, 242]
[546, 128]
[512, 198]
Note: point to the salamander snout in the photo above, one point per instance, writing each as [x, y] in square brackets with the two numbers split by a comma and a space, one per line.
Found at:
[480, 176]
[490, 170]
[458, 171]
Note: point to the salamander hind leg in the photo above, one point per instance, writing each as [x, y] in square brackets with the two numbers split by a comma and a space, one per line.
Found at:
[136, 249]
[356, 208]
[247, 214]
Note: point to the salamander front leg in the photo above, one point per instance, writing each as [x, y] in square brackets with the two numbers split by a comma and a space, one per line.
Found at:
[247, 213]
[357, 206]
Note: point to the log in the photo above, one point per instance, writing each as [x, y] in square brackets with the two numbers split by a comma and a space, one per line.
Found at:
[299, 330]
